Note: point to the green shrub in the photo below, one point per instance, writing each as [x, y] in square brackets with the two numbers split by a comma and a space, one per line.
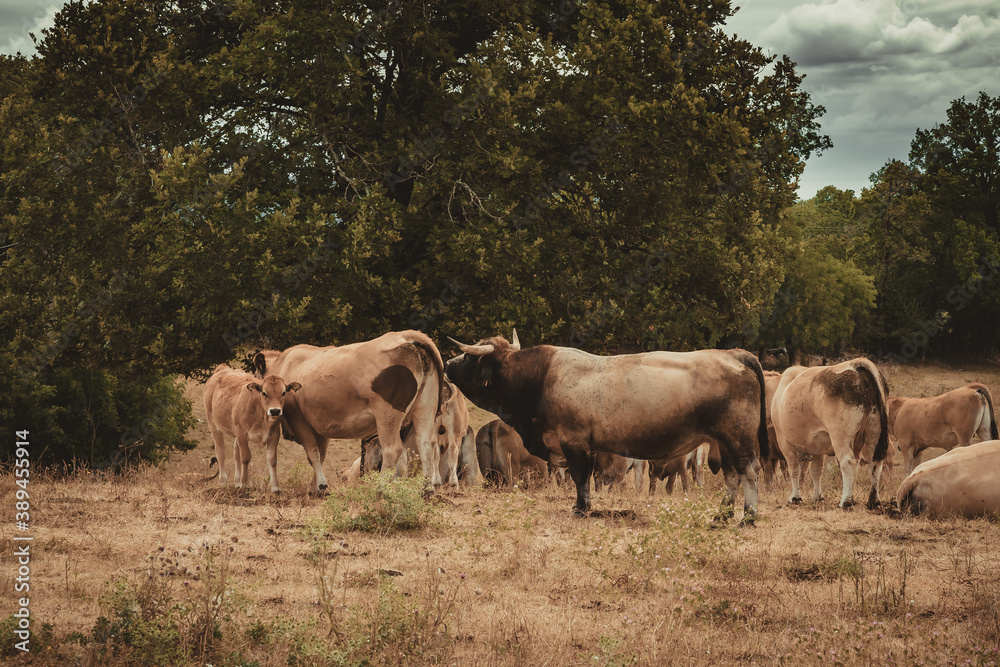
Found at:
[381, 502]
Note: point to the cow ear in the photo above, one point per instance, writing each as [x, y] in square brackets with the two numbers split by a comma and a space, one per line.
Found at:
[260, 363]
[515, 344]
[253, 386]
[294, 386]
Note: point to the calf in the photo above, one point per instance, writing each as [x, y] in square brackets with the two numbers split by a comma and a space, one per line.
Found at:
[963, 482]
[950, 420]
[240, 406]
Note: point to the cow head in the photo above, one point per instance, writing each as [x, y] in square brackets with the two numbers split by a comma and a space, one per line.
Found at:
[478, 369]
[272, 392]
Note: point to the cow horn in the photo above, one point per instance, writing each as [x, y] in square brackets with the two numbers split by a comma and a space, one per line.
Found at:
[475, 350]
[515, 344]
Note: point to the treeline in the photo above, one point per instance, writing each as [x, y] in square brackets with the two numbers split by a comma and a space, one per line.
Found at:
[910, 268]
[186, 182]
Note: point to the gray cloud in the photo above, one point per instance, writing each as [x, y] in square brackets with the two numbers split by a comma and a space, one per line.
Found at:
[882, 69]
[20, 18]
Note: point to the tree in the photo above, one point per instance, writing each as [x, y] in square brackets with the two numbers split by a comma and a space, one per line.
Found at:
[214, 176]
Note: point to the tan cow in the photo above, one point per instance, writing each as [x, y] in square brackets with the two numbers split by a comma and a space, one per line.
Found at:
[503, 458]
[354, 391]
[946, 421]
[240, 406]
[962, 482]
[671, 469]
[832, 411]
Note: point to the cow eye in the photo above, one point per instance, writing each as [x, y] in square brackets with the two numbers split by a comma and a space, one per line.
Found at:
[263, 393]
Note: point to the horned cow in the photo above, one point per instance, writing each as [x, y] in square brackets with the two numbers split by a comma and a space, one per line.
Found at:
[647, 406]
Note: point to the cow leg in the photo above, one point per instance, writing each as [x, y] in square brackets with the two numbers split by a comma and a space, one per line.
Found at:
[684, 479]
[795, 470]
[242, 455]
[671, 478]
[272, 459]
[699, 466]
[848, 471]
[220, 453]
[816, 473]
[873, 501]
[909, 457]
[639, 468]
[581, 467]
[310, 443]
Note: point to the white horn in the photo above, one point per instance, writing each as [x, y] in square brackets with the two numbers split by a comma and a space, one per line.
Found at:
[475, 350]
[515, 344]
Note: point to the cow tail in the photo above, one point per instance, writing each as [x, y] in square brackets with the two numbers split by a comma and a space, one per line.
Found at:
[984, 391]
[881, 389]
[431, 358]
[904, 497]
[753, 363]
[212, 463]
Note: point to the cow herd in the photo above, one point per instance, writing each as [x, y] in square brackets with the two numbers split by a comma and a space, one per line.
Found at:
[562, 410]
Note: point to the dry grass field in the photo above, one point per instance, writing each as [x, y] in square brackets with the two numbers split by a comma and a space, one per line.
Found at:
[150, 569]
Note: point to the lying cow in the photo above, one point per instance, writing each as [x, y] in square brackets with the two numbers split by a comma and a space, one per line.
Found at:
[671, 469]
[946, 421]
[467, 465]
[354, 391]
[239, 406]
[962, 482]
[837, 411]
[648, 406]
[609, 469]
[503, 458]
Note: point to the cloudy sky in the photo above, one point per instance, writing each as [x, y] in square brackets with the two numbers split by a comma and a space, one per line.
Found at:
[882, 68]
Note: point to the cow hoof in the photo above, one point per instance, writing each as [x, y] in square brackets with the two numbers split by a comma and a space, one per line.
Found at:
[847, 507]
[748, 520]
[321, 487]
[795, 501]
[579, 513]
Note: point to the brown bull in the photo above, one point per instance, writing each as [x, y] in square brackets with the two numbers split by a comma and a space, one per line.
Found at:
[963, 482]
[832, 411]
[240, 406]
[776, 460]
[946, 421]
[358, 390]
[648, 406]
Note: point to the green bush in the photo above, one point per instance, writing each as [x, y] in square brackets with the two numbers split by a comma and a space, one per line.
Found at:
[381, 502]
[98, 419]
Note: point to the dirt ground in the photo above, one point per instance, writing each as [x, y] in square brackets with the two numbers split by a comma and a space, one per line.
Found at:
[501, 576]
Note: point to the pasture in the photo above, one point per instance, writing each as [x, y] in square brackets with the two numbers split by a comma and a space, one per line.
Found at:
[497, 576]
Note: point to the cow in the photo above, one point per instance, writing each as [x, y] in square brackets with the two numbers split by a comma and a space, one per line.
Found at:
[610, 469]
[240, 406]
[776, 459]
[962, 482]
[832, 411]
[358, 390]
[503, 458]
[671, 469]
[946, 421]
[650, 405]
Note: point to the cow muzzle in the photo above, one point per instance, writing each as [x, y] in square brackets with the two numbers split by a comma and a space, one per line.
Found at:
[274, 412]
